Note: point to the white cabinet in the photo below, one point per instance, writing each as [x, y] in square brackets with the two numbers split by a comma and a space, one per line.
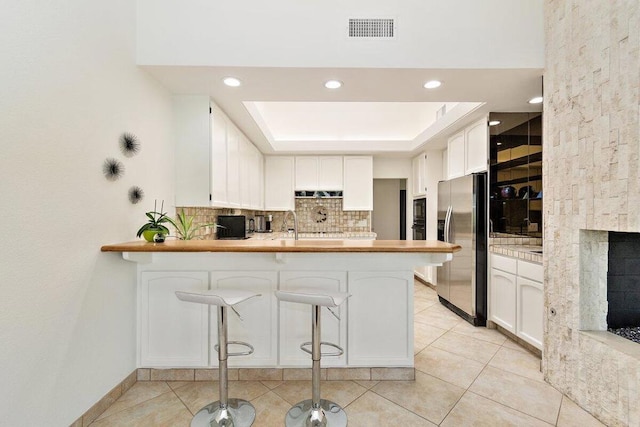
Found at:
[330, 173]
[456, 158]
[530, 302]
[279, 183]
[358, 183]
[388, 338]
[258, 325]
[318, 173]
[172, 332]
[218, 160]
[467, 150]
[295, 319]
[418, 176]
[192, 126]
[215, 166]
[476, 139]
[516, 297]
[503, 299]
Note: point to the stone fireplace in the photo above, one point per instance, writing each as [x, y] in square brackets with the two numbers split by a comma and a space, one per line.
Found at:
[591, 171]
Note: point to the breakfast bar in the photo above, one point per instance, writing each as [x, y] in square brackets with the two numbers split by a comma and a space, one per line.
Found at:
[375, 325]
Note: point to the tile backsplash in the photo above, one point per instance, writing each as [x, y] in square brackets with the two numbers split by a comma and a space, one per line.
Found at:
[314, 215]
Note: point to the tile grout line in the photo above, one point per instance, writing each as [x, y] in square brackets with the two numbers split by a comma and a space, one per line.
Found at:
[131, 407]
[400, 406]
[181, 401]
[507, 406]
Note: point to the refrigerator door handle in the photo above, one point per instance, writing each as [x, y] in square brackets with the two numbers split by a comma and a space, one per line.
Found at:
[451, 226]
[447, 225]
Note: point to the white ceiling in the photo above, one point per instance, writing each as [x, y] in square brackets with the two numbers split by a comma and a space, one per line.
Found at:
[288, 110]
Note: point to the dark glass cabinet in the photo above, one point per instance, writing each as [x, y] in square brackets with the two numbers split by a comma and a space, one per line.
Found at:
[515, 178]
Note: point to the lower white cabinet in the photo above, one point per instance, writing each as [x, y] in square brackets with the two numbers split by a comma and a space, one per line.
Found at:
[376, 340]
[258, 321]
[530, 295]
[517, 297]
[172, 332]
[503, 297]
[295, 319]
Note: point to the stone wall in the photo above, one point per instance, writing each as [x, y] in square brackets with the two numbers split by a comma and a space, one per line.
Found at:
[591, 175]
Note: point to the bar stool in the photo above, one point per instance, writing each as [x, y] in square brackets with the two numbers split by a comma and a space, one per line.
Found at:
[224, 412]
[315, 412]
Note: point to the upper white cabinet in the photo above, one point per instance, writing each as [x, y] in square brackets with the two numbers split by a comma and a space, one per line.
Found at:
[279, 183]
[467, 150]
[358, 183]
[418, 176]
[218, 166]
[318, 173]
[476, 144]
[456, 160]
[193, 140]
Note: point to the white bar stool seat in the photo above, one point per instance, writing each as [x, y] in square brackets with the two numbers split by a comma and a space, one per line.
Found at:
[315, 412]
[225, 412]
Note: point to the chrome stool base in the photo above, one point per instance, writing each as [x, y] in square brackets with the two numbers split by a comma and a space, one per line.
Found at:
[238, 413]
[329, 414]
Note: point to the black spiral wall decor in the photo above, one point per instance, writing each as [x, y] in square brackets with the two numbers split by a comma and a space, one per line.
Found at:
[135, 194]
[112, 169]
[129, 144]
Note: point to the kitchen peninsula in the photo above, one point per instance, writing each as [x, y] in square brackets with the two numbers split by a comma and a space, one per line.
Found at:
[375, 326]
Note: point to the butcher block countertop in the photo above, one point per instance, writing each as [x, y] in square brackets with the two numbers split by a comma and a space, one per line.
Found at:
[304, 246]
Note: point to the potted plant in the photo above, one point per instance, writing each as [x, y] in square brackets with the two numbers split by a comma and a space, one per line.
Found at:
[185, 227]
[154, 227]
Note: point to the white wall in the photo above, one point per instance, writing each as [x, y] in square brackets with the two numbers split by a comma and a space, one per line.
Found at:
[67, 311]
[293, 33]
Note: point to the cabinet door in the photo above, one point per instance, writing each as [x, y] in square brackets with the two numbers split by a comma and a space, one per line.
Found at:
[233, 167]
[306, 173]
[530, 308]
[218, 159]
[456, 156]
[389, 338]
[192, 126]
[172, 332]
[418, 175]
[258, 325]
[330, 173]
[503, 299]
[279, 188]
[245, 172]
[257, 179]
[476, 145]
[358, 184]
[295, 319]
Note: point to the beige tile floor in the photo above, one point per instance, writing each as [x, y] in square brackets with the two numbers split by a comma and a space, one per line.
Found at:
[465, 376]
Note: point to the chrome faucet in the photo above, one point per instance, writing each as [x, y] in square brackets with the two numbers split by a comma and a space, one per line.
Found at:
[295, 222]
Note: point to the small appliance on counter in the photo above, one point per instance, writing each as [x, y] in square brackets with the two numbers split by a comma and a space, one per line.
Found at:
[232, 227]
[262, 223]
[268, 223]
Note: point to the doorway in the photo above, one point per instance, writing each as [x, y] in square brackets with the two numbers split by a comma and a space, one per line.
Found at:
[389, 214]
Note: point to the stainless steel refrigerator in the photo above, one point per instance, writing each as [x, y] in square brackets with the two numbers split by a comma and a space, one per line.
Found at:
[462, 219]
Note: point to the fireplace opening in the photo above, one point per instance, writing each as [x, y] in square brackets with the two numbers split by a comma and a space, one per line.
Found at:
[623, 285]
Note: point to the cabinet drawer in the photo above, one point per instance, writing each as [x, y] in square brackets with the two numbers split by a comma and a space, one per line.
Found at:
[504, 263]
[531, 270]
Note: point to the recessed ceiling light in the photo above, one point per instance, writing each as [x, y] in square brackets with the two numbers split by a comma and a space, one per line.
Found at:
[333, 84]
[536, 100]
[432, 84]
[498, 143]
[231, 81]
[494, 122]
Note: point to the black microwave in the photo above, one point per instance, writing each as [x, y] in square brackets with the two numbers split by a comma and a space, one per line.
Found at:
[232, 227]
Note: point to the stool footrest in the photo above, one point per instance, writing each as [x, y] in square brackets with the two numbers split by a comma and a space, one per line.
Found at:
[237, 353]
[340, 351]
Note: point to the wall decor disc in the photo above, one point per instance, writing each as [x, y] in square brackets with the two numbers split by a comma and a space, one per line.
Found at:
[135, 194]
[320, 213]
[129, 144]
[112, 169]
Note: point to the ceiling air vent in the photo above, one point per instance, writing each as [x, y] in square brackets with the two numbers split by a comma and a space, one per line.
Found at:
[371, 28]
